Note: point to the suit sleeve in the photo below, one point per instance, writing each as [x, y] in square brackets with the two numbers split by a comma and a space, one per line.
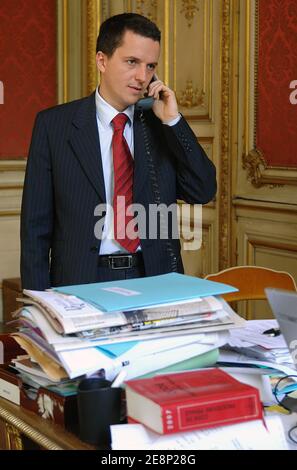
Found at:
[196, 174]
[37, 212]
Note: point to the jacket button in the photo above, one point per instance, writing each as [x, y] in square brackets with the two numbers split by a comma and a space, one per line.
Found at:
[94, 249]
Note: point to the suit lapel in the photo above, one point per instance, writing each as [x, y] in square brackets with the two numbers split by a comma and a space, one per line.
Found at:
[86, 144]
[140, 159]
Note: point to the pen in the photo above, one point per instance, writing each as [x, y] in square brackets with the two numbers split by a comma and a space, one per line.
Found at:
[272, 332]
[119, 379]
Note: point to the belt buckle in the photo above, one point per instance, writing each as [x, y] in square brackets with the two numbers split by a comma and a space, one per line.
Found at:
[128, 258]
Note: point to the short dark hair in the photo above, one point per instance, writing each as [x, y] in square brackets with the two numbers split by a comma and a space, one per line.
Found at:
[112, 31]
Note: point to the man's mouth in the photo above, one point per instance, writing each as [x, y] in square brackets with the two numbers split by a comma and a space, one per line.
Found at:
[135, 88]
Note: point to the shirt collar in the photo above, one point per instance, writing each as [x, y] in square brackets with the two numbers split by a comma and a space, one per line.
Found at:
[106, 113]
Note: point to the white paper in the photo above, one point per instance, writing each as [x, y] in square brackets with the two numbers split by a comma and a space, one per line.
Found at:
[10, 391]
[144, 348]
[288, 422]
[252, 333]
[87, 361]
[251, 435]
[234, 357]
[141, 359]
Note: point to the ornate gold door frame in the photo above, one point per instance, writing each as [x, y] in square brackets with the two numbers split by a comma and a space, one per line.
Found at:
[229, 25]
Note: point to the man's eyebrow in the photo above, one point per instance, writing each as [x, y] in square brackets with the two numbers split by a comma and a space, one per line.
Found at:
[131, 57]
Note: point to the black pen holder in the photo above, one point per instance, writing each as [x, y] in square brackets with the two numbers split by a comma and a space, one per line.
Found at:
[99, 406]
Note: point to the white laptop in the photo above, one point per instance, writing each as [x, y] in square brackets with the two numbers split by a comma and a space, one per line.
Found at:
[283, 304]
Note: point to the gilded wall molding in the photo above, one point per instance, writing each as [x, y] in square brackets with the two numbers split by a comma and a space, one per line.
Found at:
[93, 22]
[12, 175]
[259, 173]
[190, 97]
[189, 9]
[147, 8]
[273, 245]
[193, 90]
[225, 171]
[254, 163]
[13, 165]
[264, 206]
[11, 213]
[62, 51]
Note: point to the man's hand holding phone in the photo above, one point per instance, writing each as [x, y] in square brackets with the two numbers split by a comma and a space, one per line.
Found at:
[165, 104]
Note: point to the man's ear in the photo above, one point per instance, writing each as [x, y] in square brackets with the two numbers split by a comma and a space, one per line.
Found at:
[101, 61]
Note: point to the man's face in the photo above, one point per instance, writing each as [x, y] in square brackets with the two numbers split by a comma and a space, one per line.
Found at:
[126, 75]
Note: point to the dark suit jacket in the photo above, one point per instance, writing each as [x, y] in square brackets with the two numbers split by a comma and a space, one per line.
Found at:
[64, 183]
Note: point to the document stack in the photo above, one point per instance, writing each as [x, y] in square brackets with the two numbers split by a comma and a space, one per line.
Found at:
[138, 325]
[262, 341]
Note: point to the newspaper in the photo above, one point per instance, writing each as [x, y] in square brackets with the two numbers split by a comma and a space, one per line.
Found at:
[99, 338]
[68, 314]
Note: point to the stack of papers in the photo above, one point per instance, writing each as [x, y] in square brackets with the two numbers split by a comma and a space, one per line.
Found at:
[141, 324]
[253, 342]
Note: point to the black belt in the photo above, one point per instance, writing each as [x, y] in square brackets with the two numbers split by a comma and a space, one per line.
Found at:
[121, 261]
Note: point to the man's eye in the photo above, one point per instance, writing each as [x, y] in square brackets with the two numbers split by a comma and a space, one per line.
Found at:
[151, 66]
[131, 61]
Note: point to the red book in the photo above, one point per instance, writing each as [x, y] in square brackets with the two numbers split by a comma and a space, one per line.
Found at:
[186, 401]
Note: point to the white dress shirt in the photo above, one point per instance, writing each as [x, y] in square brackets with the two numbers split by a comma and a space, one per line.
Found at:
[105, 114]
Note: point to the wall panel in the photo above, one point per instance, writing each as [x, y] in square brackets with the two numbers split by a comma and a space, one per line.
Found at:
[267, 236]
[277, 68]
[40, 65]
[27, 69]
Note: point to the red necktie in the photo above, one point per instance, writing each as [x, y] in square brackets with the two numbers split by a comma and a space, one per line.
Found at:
[123, 186]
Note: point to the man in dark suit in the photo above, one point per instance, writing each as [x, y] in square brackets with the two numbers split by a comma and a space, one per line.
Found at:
[71, 169]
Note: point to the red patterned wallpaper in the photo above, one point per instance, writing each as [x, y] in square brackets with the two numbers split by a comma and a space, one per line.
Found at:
[277, 117]
[27, 69]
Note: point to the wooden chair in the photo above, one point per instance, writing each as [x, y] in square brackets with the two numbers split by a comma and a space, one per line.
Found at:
[251, 282]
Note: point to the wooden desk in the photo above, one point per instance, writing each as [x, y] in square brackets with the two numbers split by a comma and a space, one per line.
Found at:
[21, 429]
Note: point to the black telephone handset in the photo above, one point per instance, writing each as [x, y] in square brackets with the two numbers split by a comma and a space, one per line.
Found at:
[147, 102]
[142, 105]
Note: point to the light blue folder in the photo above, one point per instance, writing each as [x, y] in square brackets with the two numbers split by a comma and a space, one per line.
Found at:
[144, 292]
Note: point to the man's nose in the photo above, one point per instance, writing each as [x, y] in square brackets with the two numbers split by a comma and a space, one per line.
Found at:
[141, 74]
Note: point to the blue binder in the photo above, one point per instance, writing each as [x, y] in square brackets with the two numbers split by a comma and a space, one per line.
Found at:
[146, 291]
